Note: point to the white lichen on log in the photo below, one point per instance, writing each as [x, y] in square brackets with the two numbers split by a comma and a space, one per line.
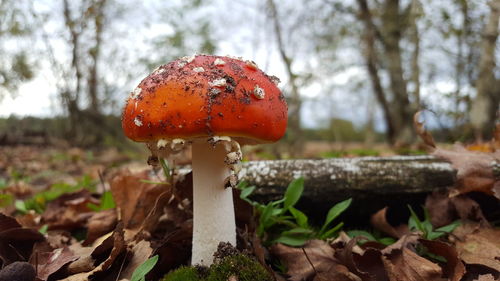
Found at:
[382, 175]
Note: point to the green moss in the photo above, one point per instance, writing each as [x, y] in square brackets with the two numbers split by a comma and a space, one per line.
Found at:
[184, 273]
[243, 267]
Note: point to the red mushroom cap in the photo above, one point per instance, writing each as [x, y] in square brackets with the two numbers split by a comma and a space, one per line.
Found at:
[204, 96]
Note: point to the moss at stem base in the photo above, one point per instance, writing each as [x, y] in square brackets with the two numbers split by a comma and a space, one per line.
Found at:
[241, 267]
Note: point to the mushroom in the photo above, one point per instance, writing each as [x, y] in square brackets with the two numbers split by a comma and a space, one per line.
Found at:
[213, 103]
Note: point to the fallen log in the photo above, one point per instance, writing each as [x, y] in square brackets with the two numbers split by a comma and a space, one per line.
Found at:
[351, 176]
[373, 182]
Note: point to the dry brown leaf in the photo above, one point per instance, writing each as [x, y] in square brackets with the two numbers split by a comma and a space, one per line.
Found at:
[454, 269]
[140, 251]
[99, 224]
[481, 247]
[408, 240]
[69, 211]
[405, 265]
[371, 263]
[348, 253]
[320, 258]
[337, 272]
[117, 244]
[422, 132]
[474, 169]
[49, 263]
[134, 199]
[444, 209]
[379, 221]
[175, 248]
[16, 242]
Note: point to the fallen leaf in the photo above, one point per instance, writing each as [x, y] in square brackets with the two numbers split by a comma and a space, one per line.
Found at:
[134, 198]
[174, 249]
[444, 209]
[408, 240]
[99, 224]
[371, 263]
[140, 251]
[102, 255]
[347, 255]
[481, 247]
[69, 211]
[379, 221]
[49, 263]
[474, 168]
[454, 269]
[422, 132]
[302, 263]
[405, 265]
[337, 272]
[16, 242]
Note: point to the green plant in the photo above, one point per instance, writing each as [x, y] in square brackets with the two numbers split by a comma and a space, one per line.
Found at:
[375, 236]
[281, 222]
[140, 272]
[426, 227]
[167, 172]
[107, 202]
[38, 201]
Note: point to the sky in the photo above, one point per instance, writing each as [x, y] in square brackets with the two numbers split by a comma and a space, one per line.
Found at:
[247, 35]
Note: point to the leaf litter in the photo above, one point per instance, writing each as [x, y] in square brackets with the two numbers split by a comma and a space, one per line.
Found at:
[150, 218]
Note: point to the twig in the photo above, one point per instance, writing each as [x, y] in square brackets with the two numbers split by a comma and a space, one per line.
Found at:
[310, 262]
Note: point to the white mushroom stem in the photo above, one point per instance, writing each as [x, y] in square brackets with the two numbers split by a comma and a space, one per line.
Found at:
[213, 209]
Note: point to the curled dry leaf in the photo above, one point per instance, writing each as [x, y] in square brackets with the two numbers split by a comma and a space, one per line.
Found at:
[318, 257]
[406, 241]
[454, 269]
[444, 209]
[422, 132]
[481, 247]
[379, 221]
[406, 265]
[347, 252]
[475, 169]
[115, 243]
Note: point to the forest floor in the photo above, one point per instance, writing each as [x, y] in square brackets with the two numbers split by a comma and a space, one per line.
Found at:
[72, 214]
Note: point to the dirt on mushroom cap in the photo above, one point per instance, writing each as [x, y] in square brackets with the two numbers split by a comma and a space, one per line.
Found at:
[199, 96]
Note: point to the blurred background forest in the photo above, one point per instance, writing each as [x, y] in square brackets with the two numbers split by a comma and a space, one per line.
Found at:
[353, 71]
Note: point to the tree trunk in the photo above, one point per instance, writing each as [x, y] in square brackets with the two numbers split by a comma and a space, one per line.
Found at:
[415, 14]
[392, 29]
[370, 56]
[486, 104]
[294, 131]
